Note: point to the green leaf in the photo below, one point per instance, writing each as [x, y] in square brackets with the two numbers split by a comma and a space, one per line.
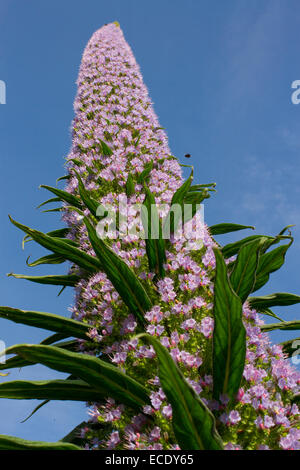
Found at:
[219, 229]
[129, 186]
[268, 263]
[62, 178]
[60, 233]
[142, 178]
[243, 275]
[57, 209]
[155, 244]
[200, 187]
[291, 347]
[229, 337]
[273, 300]
[176, 210]
[89, 201]
[121, 276]
[47, 321]
[64, 196]
[106, 150]
[233, 248]
[49, 259]
[270, 313]
[19, 362]
[285, 325]
[62, 248]
[59, 280]
[191, 203]
[99, 374]
[37, 408]
[73, 390]
[192, 421]
[16, 443]
[53, 199]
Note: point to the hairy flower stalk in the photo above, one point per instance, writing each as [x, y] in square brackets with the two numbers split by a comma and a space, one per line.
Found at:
[112, 106]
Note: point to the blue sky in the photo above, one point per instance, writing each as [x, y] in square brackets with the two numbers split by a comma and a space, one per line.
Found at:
[220, 76]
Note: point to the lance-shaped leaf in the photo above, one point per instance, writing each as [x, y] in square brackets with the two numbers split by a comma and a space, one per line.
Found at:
[59, 233]
[48, 259]
[291, 347]
[47, 321]
[229, 337]
[58, 280]
[284, 325]
[175, 213]
[49, 201]
[273, 300]
[155, 244]
[219, 229]
[88, 200]
[62, 178]
[129, 186]
[121, 276]
[270, 313]
[106, 150]
[142, 178]
[62, 248]
[233, 248]
[268, 263]
[191, 203]
[64, 196]
[99, 374]
[193, 423]
[243, 275]
[18, 362]
[73, 390]
[16, 443]
[200, 187]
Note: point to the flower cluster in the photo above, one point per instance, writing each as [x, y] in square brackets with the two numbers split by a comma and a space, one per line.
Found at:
[112, 105]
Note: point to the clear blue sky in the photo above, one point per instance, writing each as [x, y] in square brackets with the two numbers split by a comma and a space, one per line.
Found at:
[220, 76]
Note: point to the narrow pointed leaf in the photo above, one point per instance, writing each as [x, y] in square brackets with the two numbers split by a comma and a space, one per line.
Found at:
[89, 202]
[49, 259]
[37, 408]
[280, 299]
[121, 276]
[175, 214]
[62, 178]
[155, 244]
[229, 336]
[129, 186]
[47, 321]
[285, 325]
[233, 248]
[99, 374]
[106, 150]
[219, 229]
[142, 178]
[193, 423]
[270, 313]
[243, 276]
[16, 443]
[62, 248]
[268, 263]
[59, 280]
[53, 199]
[73, 390]
[64, 196]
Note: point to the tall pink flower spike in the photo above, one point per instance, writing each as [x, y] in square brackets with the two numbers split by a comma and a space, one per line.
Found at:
[113, 105]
